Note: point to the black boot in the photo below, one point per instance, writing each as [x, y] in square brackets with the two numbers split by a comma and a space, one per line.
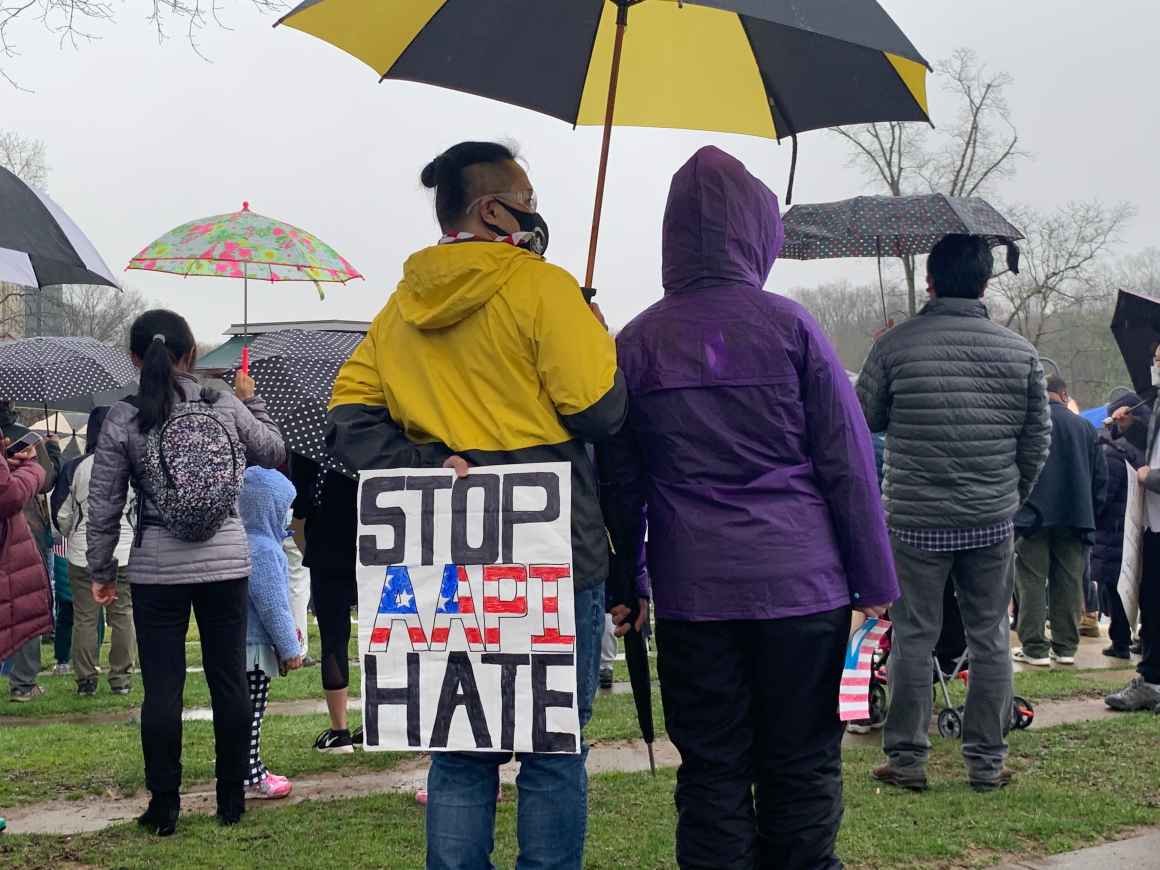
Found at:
[161, 817]
[231, 802]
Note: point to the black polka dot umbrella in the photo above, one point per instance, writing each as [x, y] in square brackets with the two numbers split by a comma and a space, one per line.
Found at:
[892, 226]
[43, 370]
[889, 226]
[295, 371]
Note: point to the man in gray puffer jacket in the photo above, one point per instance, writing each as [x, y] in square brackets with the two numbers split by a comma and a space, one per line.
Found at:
[964, 407]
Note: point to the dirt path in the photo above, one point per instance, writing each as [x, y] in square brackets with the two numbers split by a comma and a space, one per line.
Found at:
[628, 756]
[98, 812]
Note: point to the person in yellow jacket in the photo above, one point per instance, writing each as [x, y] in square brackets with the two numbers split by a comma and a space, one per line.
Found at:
[489, 353]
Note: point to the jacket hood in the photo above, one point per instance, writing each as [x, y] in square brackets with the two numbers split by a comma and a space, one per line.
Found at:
[265, 498]
[93, 427]
[445, 284]
[722, 226]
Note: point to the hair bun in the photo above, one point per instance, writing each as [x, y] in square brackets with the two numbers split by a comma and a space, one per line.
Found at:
[432, 171]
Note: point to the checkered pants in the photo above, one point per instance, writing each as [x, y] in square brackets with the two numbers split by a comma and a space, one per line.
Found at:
[259, 695]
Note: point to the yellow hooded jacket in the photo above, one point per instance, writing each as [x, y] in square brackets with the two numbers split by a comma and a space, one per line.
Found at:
[487, 351]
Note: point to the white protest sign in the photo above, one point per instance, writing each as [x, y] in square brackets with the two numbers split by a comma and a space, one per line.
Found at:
[466, 616]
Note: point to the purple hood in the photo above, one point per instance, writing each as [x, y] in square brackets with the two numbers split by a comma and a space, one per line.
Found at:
[722, 226]
[745, 444]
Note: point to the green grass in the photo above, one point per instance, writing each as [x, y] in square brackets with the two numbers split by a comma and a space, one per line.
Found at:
[61, 698]
[1077, 784]
[50, 761]
[75, 760]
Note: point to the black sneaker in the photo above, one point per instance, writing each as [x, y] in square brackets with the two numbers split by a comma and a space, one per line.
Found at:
[1118, 652]
[86, 688]
[606, 677]
[120, 690]
[335, 741]
[161, 817]
[357, 738]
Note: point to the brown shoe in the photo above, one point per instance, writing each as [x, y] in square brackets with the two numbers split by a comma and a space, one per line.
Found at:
[1090, 625]
[1001, 781]
[915, 781]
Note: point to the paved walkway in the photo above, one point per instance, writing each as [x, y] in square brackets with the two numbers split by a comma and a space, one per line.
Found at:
[1135, 853]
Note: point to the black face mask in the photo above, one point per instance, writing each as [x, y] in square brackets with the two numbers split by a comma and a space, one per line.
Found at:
[531, 223]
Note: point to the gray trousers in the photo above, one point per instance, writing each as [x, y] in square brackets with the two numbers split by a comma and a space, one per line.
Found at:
[983, 583]
[25, 665]
[1049, 579]
[118, 617]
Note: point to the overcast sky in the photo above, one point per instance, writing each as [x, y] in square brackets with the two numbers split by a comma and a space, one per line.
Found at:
[142, 137]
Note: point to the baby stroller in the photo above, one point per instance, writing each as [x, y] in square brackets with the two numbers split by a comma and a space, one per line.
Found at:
[950, 717]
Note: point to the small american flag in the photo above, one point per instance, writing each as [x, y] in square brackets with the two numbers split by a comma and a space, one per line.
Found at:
[854, 694]
[60, 547]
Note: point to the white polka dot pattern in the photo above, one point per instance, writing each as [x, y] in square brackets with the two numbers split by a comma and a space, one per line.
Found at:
[295, 371]
[890, 226]
[46, 369]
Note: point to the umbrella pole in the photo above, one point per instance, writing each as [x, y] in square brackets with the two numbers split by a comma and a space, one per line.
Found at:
[882, 284]
[602, 174]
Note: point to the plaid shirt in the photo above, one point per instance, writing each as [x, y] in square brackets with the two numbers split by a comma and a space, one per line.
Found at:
[953, 540]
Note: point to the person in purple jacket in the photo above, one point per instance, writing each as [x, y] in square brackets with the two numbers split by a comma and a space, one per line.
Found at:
[747, 454]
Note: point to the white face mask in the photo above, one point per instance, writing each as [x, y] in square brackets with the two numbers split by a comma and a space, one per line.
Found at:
[1155, 375]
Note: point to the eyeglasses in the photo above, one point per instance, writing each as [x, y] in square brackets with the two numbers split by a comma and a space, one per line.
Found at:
[524, 200]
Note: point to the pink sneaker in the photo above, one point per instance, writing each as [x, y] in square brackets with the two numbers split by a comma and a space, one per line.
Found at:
[272, 788]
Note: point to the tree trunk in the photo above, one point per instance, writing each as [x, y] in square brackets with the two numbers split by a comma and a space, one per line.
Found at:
[912, 297]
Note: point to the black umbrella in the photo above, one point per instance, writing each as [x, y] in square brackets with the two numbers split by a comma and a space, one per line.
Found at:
[40, 246]
[892, 226]
[42, 370]
[756, 67]
[295, 371]
[1136, 326]
[624, 532]
[100, 399]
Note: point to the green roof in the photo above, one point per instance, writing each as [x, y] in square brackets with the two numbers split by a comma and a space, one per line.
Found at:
[228, 356]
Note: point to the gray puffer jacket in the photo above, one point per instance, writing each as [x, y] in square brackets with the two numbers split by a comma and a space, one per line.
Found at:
[162, 558]
[963, 404]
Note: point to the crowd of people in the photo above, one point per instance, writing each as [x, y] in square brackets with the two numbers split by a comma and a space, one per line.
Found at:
[719, 424]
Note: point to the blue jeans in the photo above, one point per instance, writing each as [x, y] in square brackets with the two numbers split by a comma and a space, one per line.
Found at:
[553, 789]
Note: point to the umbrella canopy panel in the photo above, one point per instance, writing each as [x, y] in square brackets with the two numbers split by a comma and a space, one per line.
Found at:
[245, 244]
[889, 226]
[1136, 326]
[768, 68]
[46, 369]
[295, 372]
[40, 246]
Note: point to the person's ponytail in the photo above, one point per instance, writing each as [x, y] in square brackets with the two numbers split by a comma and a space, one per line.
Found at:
[160, 340]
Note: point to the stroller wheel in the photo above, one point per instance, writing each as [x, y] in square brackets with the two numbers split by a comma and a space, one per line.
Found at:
[1022, 713]
[879, 705]
[950, 723]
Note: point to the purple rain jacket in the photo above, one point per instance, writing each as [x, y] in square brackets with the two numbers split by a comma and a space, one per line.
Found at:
[745, 449]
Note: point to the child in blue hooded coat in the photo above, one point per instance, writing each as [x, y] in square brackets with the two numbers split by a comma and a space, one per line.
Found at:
[272, 641]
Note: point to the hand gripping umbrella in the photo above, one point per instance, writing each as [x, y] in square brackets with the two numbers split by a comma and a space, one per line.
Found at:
[771, 68]
[245, 244]
[892, 226]
[625, 534]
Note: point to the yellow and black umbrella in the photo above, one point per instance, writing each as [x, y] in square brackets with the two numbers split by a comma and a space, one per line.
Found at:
[771, 68]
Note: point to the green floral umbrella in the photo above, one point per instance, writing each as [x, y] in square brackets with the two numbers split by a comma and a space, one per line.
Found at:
[246, 245]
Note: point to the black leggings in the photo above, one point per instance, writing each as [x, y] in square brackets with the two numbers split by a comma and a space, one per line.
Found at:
[161, 617]
[334, 596]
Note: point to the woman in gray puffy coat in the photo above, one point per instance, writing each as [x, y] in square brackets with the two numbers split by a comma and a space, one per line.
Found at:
[170, 576]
